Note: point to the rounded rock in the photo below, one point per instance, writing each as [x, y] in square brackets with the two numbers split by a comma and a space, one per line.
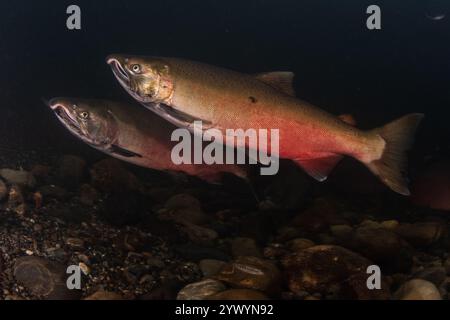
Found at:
[201, 290]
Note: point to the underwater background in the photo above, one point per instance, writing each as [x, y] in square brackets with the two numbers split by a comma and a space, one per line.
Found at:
[340, 66]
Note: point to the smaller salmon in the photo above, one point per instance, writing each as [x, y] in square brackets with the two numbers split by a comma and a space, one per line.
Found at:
[131, 134]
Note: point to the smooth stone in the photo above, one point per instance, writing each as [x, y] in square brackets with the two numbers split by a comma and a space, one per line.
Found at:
[16, 200]
[75, 243]
[53, 192]
[252, 273]
[104, 295]
[318, 268]
[355, 288]
[71, 170]
[390, 224]
[111, 176]
[239, 294]
[275, 251]
[421, 233]
[341, 231]
[20, 177]
[300, 244]
[88, 195]
[447, 266]
[436, 275]
[245, 247]
[370, 224]
[3, 190]
[155, 263]
[417, 289]
[318, 217]
[40, 171]
[210, 267]
[182, 201]
[285, 234]
[201, 290]
[198, 234]
[195, 252]
[183, 207]
[167, 290]
[44, 278]
[384, 247]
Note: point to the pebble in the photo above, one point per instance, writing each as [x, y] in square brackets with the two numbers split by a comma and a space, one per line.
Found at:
[390, 224]
[153, 262]
[53, 192]
[75, 243]
[183, 207]
[84, 268]
[318, 268]
[417, 289]
[199, 234]
[300, 244]
[210, 267]
[43, 278]
[245, 247]
[167, 290]
[182, 201]
[436, 275]
[16, 200]
[3, 190]
[201, 290]
[239, 294]
[447, 266]
[40, 171]
[195, 252]
[88, 195]
[71, 171]
[20, 177]
[104, 295]
[111, 176]
[422, 233]
[251, 273]
[274, 251]
[341, 231]
[383, 247]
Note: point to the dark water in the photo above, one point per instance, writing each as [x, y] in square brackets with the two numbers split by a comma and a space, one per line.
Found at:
[339, 64]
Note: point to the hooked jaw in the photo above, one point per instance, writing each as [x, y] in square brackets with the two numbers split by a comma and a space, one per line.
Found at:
[116, 64]
[65, 113]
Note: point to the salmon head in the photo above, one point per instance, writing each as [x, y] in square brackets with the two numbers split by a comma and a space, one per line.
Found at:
[89, 120]
[93, 121]
[145, 79]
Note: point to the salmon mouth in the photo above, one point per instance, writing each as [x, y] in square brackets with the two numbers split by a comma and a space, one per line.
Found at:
[65, 117]
[119, 72]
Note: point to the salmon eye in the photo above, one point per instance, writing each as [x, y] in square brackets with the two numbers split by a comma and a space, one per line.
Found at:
[136, 68]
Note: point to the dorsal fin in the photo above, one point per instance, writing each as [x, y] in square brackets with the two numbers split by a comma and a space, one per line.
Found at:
[281, 80]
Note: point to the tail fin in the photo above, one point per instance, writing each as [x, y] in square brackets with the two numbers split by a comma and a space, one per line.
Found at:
[392, 166]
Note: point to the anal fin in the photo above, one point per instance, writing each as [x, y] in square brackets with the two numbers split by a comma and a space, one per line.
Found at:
[319, 168]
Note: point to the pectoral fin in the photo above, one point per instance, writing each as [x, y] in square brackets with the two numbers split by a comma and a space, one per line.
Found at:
[178, 118]
[319, 168]
[123, 152]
